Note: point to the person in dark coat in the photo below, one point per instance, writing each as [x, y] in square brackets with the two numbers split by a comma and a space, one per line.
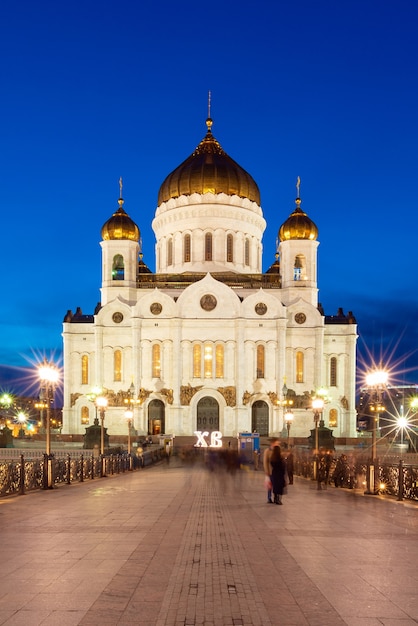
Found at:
[278, 474]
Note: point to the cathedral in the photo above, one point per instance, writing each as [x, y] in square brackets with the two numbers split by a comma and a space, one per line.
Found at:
[209, 342]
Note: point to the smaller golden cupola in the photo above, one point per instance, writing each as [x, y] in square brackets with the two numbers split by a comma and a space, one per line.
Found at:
[120, 225]
[298, 225]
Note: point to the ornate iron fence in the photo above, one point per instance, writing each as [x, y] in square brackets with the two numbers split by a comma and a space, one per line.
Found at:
[394, 478]
[22, 475]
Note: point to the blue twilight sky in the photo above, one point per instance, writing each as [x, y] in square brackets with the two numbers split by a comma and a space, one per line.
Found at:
[323, 90]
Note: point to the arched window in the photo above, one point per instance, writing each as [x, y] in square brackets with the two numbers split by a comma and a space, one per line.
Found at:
[219, 356]
[230, 249]
[187, 249]
[247, 252]
[156, 360]
[170, 252]
[84, 369]
[117, 366]
[333, 372]
[260, 361]
[297, 269]
[85, 415]
[333, 418]
[208, 358]
[197, 361]
[299, 367]
[208, 247]
[118, 267]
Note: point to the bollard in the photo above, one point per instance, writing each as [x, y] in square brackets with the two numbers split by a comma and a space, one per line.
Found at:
[82, 469]
[68, 469]
[92, 466]
[22, 476]
[400, 481]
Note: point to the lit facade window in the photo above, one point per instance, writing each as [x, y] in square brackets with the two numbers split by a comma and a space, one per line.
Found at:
[84, 369]
[170, 252]
[156, 361]
[208, 247]
[207, 360]
[197, 361]
[118, 268]
[299, 367]
[117, 366]
[333, 418]
[230, 249]
[247, 252]
[333, 372]
[260, 362]
[85, 415]
[219, 356]
[187, 249]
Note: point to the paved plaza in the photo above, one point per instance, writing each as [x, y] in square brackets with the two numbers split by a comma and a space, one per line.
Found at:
[180, 546]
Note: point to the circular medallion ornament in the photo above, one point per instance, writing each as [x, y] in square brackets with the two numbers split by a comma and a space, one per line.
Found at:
[117, 317]
[156, 308]
[260, 308]
[300, 318]
[208, 302]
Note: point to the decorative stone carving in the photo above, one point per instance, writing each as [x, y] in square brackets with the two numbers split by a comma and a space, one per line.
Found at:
[156, 308]
[273, 397]
[260, 308]
[230, 395]
[117, 317]
[208, 302]
[246, 397]
[187, 392]
[74, 397]
[168, 393]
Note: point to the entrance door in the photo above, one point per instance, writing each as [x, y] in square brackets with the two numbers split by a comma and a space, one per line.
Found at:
[260, 418]
[207, 414]
[156, 417]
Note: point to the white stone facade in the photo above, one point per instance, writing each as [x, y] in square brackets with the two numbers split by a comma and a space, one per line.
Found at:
[210, 352]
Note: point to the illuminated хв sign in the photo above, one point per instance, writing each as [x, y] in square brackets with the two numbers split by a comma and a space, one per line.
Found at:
[215, 439]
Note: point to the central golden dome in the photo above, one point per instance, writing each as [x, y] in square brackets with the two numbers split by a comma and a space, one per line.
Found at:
[209, 170]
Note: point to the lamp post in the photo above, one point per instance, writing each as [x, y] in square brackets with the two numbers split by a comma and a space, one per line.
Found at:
[288, 417]
[128, 416]
[21, 418]
[376, 382]
[49, 377]
[101, 403]
[317, 408]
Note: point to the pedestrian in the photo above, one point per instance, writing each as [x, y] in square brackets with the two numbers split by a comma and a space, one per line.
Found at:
[278, 474]
[267, 467]
[290, 466]
[256, 459]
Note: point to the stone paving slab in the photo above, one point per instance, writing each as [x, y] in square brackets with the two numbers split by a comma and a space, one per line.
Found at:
[181, 546]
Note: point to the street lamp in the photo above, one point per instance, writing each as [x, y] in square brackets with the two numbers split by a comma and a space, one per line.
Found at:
[288, 417]
[21, 418]
[101, 403]
[376, 381]
[49, 377]
[128, 416]
[317, 408]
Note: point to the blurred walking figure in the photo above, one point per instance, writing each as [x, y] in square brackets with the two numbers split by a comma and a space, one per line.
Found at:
[290, 466]
[278, 474]
[268, 468]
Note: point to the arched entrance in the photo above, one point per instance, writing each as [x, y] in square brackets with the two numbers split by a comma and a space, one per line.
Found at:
[260, 418]
[156, 417]
[207, 414]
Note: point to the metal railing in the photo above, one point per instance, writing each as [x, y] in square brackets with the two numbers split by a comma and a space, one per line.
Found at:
[395, 477]
[18, 476]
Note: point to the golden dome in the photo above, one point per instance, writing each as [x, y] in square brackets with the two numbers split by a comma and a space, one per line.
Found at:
[120, 226]
[209, 170]
[298, 226]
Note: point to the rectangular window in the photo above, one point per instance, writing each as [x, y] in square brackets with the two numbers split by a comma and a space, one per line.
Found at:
[299, 367]
[260, 361]
[219, 361]
[208, 361]
[197, 361]
[156, 361]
